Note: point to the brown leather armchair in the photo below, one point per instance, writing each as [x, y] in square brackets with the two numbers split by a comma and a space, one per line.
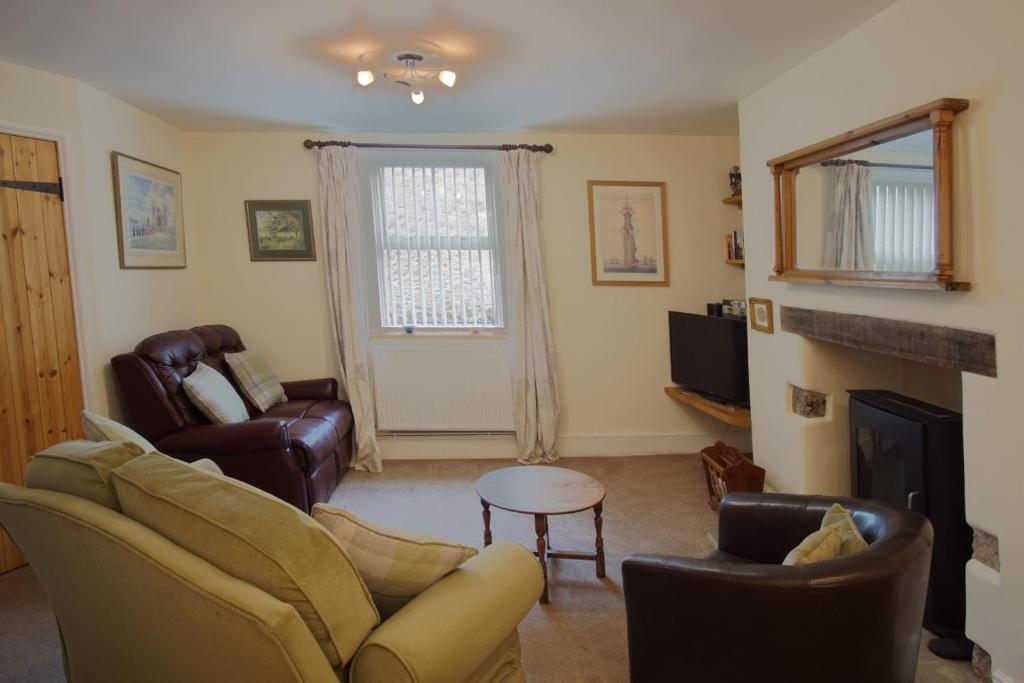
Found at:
[739, 615]
[297, 451]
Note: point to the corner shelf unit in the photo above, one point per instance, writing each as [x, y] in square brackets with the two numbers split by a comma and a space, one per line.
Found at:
[736, 201]
[729, 414]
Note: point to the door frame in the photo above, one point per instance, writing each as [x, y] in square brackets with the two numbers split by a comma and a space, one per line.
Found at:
[63, 138]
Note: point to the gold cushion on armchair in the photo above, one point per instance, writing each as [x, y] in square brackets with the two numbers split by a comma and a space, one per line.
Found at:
[256, 538]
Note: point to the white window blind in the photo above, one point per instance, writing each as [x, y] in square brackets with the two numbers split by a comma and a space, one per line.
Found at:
[436, 245]
[902, 205]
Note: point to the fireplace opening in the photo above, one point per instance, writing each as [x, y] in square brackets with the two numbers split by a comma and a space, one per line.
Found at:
[909, 453]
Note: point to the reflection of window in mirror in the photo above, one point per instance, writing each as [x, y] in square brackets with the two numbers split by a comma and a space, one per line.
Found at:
[871, 210]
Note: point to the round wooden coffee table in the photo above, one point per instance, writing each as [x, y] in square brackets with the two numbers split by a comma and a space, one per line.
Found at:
[542, 490]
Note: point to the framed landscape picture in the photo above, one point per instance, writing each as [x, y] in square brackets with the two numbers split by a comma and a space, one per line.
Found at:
[628, 233]
[148, 207]
[280, 230]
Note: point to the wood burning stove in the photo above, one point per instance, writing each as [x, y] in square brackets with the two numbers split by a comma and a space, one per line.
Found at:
[910, 454]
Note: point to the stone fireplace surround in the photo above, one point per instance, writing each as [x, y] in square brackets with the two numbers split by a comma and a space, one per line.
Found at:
[935, 346]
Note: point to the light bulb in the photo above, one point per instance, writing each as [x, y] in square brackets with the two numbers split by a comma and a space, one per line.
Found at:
[447, 77]
[417, 96]
[364, 77]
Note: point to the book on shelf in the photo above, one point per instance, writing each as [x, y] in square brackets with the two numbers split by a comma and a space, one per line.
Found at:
[735, 245]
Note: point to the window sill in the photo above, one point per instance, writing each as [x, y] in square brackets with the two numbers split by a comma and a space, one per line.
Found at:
[491, 335]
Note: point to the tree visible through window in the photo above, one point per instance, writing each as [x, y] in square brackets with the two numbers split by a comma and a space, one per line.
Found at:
[437, 262]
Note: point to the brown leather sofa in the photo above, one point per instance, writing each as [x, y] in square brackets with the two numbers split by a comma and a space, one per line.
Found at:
[297, 451]
[739, 615]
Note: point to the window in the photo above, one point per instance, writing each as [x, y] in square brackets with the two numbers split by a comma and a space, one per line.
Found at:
[436, 241]
[904, 238]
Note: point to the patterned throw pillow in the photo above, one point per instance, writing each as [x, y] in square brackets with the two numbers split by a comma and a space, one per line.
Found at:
[838, 516]
[822, 544]
[214, 396]
[395, 565]
[99, 428]
[255, 379]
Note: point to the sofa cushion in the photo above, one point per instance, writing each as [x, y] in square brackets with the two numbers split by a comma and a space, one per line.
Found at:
[256, 538]
[206, 465]
[396, 565]
[255, 380]
[172, 356]
[214, 396]
[337, 413]
[820, 545]
[99, 428]
[80, 468]
[838, 516]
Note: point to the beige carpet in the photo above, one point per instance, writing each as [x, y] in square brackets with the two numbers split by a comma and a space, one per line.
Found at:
[655, 504]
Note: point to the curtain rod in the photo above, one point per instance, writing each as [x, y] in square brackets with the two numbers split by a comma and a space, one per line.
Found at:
[873, 164]
[310, 144]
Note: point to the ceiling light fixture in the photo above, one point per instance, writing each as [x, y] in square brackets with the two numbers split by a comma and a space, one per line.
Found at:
[414, 70]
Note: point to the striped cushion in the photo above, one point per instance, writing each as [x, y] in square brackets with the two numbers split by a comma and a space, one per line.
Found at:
[214, 396]
[395, 565]
[255, 379]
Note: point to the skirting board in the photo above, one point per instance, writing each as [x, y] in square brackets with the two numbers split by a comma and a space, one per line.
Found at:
[472, 446]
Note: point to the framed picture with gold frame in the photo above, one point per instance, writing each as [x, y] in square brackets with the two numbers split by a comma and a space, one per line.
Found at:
[762, 317]
[628, 233]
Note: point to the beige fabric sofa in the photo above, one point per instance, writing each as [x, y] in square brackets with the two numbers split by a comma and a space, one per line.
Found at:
[132, 605]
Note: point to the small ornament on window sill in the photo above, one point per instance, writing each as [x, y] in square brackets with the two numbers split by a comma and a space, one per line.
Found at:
[409, 329]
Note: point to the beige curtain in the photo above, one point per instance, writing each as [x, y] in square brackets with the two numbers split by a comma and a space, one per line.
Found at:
[848, 238]
[535, 389]
[341, 238]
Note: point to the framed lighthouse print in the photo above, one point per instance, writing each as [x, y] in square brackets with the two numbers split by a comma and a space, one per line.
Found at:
[628, 233]
[150, 221]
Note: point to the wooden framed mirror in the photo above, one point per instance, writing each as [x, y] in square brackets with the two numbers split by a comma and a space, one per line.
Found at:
[871, 207]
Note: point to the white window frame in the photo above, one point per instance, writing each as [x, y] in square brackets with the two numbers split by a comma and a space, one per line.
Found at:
[370, 163]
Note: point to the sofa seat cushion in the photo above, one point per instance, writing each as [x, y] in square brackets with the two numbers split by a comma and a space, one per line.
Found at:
[337, 413]
[315, 428]
[256, 538]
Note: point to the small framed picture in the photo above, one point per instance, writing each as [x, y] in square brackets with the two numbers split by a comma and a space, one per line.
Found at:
[148, 208]
[761, 316]
[628, 233]
[280, 230]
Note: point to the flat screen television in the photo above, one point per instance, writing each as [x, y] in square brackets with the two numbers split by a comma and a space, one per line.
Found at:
[709, 356]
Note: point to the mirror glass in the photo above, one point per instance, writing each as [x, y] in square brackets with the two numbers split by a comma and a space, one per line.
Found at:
[871, 210]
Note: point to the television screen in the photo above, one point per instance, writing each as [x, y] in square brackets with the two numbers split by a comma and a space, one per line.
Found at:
[709, 356]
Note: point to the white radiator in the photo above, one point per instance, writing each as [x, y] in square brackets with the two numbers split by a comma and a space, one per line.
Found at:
[442, 384]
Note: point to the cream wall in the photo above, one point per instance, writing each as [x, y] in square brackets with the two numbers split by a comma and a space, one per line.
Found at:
[114, 308]
[932, 48]
[611, 342]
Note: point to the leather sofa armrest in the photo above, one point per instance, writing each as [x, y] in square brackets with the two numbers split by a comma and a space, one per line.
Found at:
[239, 438]
[324, 389]
[449, 630]
[764, 527]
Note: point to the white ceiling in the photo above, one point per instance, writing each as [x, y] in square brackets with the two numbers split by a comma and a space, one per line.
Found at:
[656, 66]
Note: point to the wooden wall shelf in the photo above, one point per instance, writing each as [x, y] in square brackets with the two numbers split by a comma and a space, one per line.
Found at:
[736, 262]
[736, 201]
[731, 415]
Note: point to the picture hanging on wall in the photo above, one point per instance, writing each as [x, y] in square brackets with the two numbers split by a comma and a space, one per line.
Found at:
[628, 233]
[762, 318]
[280, 230]
[148, 209]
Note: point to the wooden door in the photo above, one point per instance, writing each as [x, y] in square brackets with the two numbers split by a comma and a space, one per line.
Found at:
[40, 380]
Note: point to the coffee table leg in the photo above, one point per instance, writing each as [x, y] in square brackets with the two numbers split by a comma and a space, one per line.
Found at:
[487, 522]
[599, 542]
[540, 525]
